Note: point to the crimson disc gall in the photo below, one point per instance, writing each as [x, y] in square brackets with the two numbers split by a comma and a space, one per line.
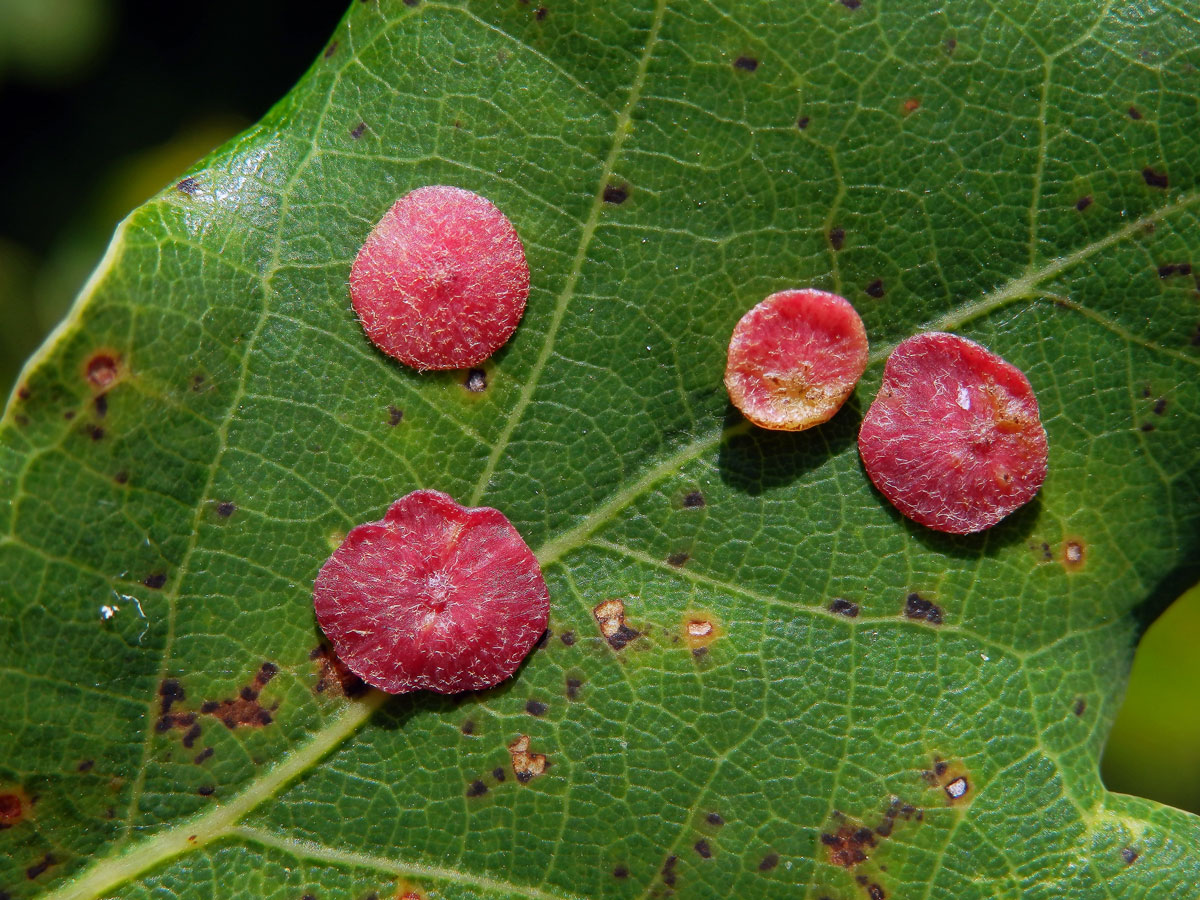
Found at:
[795, 358]
[441, 282]
[434, 596]
[954, 440]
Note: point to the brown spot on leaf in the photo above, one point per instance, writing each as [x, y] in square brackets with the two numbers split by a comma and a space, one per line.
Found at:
[745, 63]
[953, 780]
[39, 867]
[331, 49]
[476, 789]
[847, 847]
[1083, 202]
[703, 849]
[911, 105]
[876, 289]
[917, 607]
[714, 819]
[837, 238]
[102, 369]
[568, 638]
[476, 381]
[668, 870]
[226, 508]
[1154, 178]
[95, 432]
[842, 607]
[700, 629]
[693, 500]
[851, 4]
[610, 616]
[334, 676]
[188, 186]
[526, 765]
[678, 558]
[468, 727]
[395, 416]
[616, 193]
[875, 892]
[1160, 406]
[190, 737]
[14, 806]
[206, 790]
[1129, 855]
[357, 131]
[1074, 554]
[1134, 113]
[84, 766]
[23, 392]
[1080, 706]
[171, 691]
[768, 862]
[621, 872]
[100, 404]
[155, 580]
[540, 13]
[203, 755]
[535, 707]
[574, 686]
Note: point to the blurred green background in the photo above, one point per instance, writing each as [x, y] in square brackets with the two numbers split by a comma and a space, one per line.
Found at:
[106, 101]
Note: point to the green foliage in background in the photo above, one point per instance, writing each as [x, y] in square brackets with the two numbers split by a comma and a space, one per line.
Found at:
[1025, 177]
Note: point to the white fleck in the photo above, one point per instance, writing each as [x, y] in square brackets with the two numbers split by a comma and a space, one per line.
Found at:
[957, 788]
[964, 397]
[107, 612]
[984, 657]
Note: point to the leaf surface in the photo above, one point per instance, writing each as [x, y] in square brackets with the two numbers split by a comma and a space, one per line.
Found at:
[184, 453]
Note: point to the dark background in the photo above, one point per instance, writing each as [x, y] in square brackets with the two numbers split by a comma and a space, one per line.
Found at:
[103, 102]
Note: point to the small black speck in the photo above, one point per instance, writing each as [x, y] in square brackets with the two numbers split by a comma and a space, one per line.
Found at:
[574, 685]
[851, 4]
[155, 580]
[1080, 706]
[876, 289]
[802, 122]
[357, 131]
[226, 508]
[395, 416]
[203, 755]
[190, 737]
[498, 773]
[837, 237]
[678, 558]
[95, 432]
[468, 727]
[568, 638]
[411, 2]
[38, 868]
[714, 819]
[476, 381]
[616, 193]
[1135, 113]
[620, 872]
[1155, 179]
[703, 849]
[536, 707]
[745, 63]
[188, 186]
[206, 790]
[1147, 426]
[331, 49]
[770, 861]
[843, 607]
[693, 500]
[85, 766]
[699, 652]
[540, 13]
[1083, 202]
[101, 405]
[1160, 406]
[668, 870]
[69, 414]
[476, 789]
[951, 45]
[1129, 855]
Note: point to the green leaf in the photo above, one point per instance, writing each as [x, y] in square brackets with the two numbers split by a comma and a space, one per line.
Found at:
[930, 164]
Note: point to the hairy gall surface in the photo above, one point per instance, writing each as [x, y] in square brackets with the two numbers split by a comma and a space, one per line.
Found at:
[434, 596]
[795, 358]
[954, 439]
[441, 281]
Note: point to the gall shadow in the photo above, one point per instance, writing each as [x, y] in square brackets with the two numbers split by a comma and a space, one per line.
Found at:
[758, 460]
[1168, 589]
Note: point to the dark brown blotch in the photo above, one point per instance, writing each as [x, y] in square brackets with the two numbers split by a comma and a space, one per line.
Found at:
[1134, 113]
[1083, 202]
[568, 638]
[1080, 706]
[1169, 269]
[768, 862]
[334, 676]
[876, 289]
[95, 432]
[574, 687]
[837, 238]
[703, 849]
[693, 500]
[188, 186]
[668, 870]
[203, 755]
[621, 872]
[206, 790]
[802, 122]
[40, 867]
[745, 63]
[86, 765]
[357, 131]
[842, 607]
[918, 608]
[678, 558]
[540, 13]
[535, 707]
[1154, 178]
[395, 415]
[848, 846]
[498, 773]
[155, 580]
[851, 4]
[226, 508]
[100, 404]
[331, 49]
[476, 789]
[616, 193]
[476, 381]
[1129, 855]
[468, 727]
[714, 819]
